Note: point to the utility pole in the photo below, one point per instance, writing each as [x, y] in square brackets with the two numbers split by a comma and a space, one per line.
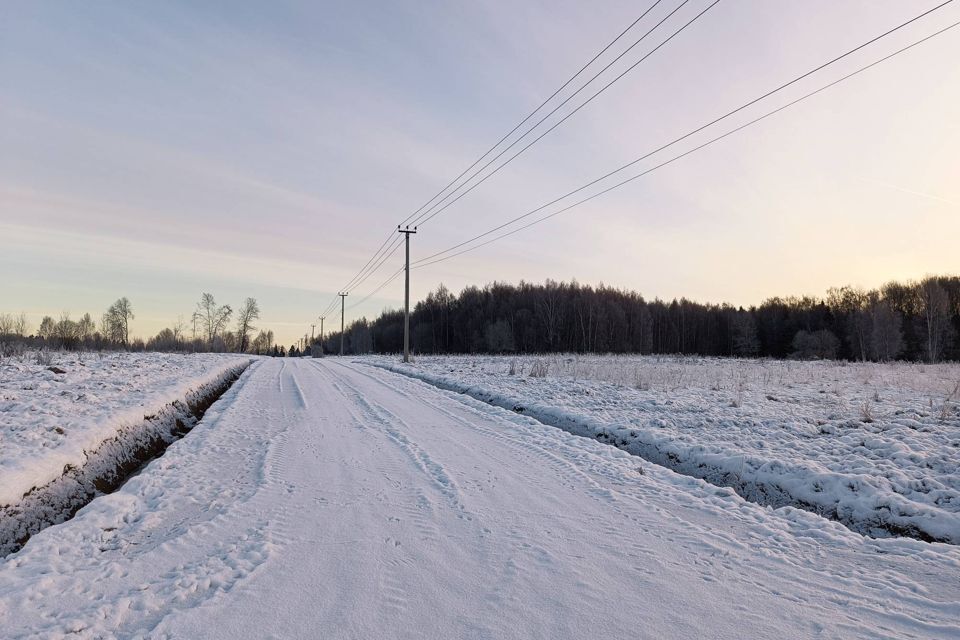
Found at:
[406, 295]
[343, 296]
[312, 327]
[322, 318]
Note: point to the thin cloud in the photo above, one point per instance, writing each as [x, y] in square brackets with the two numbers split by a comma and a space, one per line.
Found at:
[921, 194]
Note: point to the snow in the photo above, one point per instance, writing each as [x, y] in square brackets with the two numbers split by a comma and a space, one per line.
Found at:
[324, 498]
[52, 420]
[876, 447]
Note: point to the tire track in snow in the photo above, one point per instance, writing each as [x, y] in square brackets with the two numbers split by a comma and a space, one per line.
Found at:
[437, 473]
[522, 444]
[502, 567]
[522, 440]
[415, 504]
[528, 553]
[523, 437]
[409, 512]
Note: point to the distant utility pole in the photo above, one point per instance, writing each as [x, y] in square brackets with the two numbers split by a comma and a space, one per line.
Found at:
[343, 296]
[312, 327]
[322, 318]
[406, 295]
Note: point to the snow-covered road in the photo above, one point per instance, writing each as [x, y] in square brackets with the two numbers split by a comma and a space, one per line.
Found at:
[320, 498]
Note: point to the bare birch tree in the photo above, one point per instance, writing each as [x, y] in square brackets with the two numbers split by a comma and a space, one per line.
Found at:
[85, 328]
[48, 328]
[213, 318]
[20, 325]
[249, 312]
[116, 322]
[178, 328]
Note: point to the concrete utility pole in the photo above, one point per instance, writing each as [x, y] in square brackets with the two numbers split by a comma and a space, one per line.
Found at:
[343, 296]
[322, 318]
[406, 296]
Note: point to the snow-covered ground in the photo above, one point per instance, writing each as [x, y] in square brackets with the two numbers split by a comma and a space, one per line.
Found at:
[331, 499]
[875, 446]
[50, 420]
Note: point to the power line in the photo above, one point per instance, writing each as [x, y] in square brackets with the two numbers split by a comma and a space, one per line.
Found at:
[377, 290]
[693, 132]
[372, 265]
[683, 137]
[329, 308]
[372, 258]
[532, 113]
[427, 261]
[390, 249]
[333, 301]
[361, 275]
[387, 256]
[430, 214]
[353, 282]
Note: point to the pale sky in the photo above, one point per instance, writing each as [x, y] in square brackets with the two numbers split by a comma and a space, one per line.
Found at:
[158, 150]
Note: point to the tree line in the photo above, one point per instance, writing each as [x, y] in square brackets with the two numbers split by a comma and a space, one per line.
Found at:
[901, 320]
[209, 329]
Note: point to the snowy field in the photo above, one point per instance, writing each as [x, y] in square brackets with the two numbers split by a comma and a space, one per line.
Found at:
[875, 446]
[63, 413]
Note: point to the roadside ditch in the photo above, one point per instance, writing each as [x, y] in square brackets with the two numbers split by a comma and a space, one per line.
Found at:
[107, 467]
